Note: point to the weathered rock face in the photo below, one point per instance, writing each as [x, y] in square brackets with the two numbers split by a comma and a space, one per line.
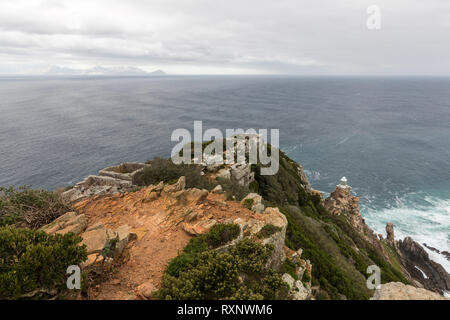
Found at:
[102, 244]
[273, 216]
[400, 291]
[111, 180]
[69, 222]
[341, 201]
[254, 201]
[297, 291]
[390, 232]
[124, 171]
[421, 268]
[96, 185]
[242, 174]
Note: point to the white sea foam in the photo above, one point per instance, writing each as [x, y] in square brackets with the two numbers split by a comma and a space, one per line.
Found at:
[426, 223]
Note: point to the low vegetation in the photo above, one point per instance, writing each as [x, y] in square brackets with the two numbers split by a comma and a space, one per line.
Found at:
[33, 262]
[329, 242]
[165, 170]
[27, 207]
[267, 231]
[238, 273]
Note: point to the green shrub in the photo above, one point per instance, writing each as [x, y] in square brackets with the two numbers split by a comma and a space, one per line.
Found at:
[30, 208]
[32, 260]
[267, 231]
[218, 235]
[236, 274]
[248, 203]
[290, 268]
[165, 170]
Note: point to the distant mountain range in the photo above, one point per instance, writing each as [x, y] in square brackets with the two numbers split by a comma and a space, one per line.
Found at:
[103, 71]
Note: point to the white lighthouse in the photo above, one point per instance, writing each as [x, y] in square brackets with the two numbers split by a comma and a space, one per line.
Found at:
[343, 184]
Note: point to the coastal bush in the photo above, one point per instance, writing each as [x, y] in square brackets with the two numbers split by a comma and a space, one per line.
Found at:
[165, 170]
[236, 274]
[32, 260]
[290, 268]
[267, 231]
[217, 236]
[27, 207]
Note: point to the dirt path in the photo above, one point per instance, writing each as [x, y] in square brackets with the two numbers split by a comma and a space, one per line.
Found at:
[160, 237]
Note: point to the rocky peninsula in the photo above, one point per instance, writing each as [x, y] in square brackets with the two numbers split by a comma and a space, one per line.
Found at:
[146, 228]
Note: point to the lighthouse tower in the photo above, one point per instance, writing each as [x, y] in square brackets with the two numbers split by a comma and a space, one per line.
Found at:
[343, 184]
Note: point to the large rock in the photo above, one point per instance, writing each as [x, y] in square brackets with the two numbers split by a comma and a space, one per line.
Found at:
[96, 240]
[253, 201]
[400, 291]
[146, 290]
[242, 173]
[69, 222]
[297, 291]
[421, 268]
[274, 217]
[390, 232]
[124, 171]
[96, 185]
[177, 186]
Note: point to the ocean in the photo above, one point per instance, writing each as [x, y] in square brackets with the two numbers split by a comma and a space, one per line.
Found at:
[389, 136]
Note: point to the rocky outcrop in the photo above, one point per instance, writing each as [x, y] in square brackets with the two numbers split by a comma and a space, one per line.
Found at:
[102, 244]
[111, 180]
[69, 222]
[95, 186]
[253, 201]
[342, 202]
[400, 291]
[297, 290]
[124, 171]
[390, 233]
[421, 268]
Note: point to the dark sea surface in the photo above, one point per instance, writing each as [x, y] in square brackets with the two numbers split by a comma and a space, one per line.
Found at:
[389, 136]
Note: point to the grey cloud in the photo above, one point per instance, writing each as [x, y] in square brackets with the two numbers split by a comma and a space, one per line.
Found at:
[290, 36]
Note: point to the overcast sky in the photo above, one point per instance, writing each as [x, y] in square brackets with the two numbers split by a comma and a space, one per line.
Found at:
[226, 37]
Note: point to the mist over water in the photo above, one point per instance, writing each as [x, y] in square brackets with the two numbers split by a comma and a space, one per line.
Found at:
[389, 136]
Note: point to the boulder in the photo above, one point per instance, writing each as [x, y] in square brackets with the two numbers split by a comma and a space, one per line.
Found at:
[217, 189]
[145, 291]
[96, 240]
[400, 291]
[178, 186]
[69, 222]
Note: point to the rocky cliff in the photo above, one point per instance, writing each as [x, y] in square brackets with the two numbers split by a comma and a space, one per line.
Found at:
[320, 248]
